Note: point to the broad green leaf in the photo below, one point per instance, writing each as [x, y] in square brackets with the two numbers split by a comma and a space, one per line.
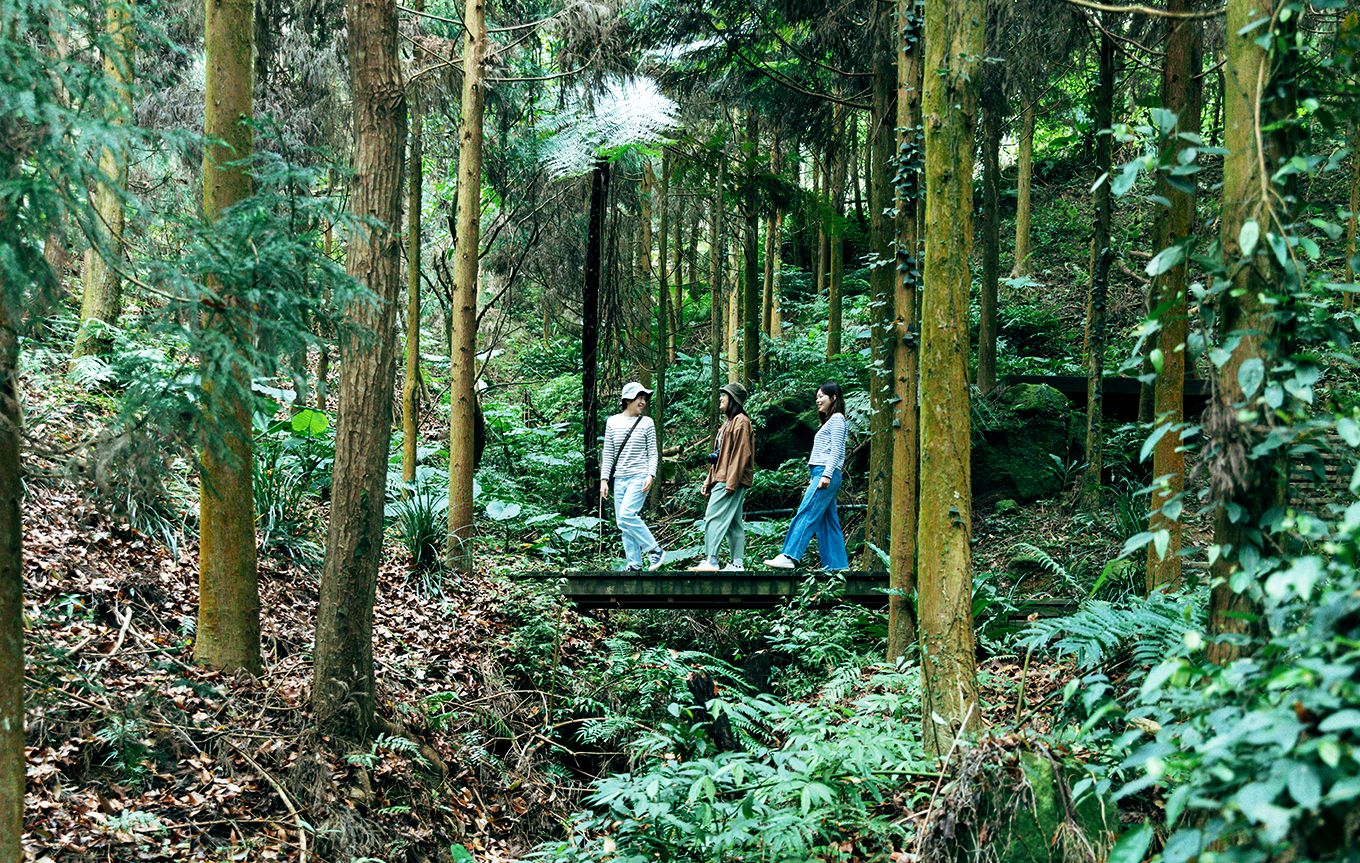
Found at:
[1342, 720]
[310, 422]
[1304, 785]
[1132, 846]
[1250, 375]
[1165, 260]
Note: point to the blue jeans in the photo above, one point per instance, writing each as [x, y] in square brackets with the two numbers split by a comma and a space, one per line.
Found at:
[816, 516]
[628, 500]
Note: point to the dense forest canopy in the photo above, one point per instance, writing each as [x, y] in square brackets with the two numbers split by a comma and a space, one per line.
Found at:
[397, 403]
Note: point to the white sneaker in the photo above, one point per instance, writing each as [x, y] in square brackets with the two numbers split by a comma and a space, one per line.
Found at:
[704, 566]
[655, 558]
[781, 561]
[735, 566]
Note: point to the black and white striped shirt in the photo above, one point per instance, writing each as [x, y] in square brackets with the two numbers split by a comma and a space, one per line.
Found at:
[828, 447]
[638, 457]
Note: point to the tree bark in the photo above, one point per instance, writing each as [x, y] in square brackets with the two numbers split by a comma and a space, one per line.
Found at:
[880, 143]
[734, 316]
[411, 385]
[716, 242]
[343, 691]
[750, 337]
[835, 238]
[590, 330]
[822, 254]
[1102, 254]
[1180, 69]
[905, 363]
[1353, 190]
[227, 635]
[993, 107]
[642, 336]
[665, 347]
[954, 44]
[12, 760]
[102, 301]
[1024, 179]
[1243, 486]
[767, 297]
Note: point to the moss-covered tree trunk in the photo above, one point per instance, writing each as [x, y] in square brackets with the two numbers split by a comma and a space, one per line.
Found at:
[716, 243]
[1180, 68]
[11, 532]
[835, 237]
[664, 343]
[750, 336]
[1244, 486]
[734, 295]
[1353, 190]
[881, 143]
[1102, 254]
[642, 336]
[102, 301]
[993, 107]
[767, 297]
[907, 202]
[227, 635]
[953, 59]
[1024, 181]
[821, 255]
[343, 696]
[590, 329]
[411, 385]
[677, 303]
[463, 396]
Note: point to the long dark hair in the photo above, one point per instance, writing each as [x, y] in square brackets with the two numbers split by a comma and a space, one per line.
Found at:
[833, 390]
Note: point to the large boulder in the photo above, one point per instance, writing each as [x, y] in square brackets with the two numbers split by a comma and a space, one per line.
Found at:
[1017, 433]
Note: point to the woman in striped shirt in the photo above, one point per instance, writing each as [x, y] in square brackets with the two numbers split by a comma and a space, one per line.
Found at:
[816, 514]
[630, 460]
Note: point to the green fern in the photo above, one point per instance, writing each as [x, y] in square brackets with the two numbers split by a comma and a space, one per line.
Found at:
[1148, 628]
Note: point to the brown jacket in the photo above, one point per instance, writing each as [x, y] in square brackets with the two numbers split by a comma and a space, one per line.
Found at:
[736, 455]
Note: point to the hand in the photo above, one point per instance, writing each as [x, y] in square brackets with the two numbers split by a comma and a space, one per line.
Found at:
[647, 486]
[703, 489]
[604, 489]
[824, 482]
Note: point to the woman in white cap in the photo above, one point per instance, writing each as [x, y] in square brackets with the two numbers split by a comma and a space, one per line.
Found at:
[730, 473]
[630, 461]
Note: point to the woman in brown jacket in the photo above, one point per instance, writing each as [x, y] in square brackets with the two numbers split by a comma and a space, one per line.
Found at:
[730, 472]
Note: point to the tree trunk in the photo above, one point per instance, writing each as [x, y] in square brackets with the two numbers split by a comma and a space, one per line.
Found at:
[665, 346]
[716, 242]
[343, 695]
[590, 330]
[1169, 304]
[835, 239]
[1244, 486]
[1024, 178]
[1101, 256]
[642, 335]
[692, 252]
[734, 317]
[227, 635]
[103, 298]
[1353, 188]
[750, 338]
[906, 283]
[677, 303]
[767, 300]
[854, 165]
[821, 255]
[993, 107]
[410, 390]
[954, 44]
[12, 764]
[880, 143]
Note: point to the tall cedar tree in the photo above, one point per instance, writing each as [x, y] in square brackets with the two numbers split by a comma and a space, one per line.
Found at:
[463, 398]
[663, 317]
[1245, 486]
[11, 524]
[343, 685]
[102, 300]
[1102, 254]
[228, 632]
[954, 41]
[411, 384]
[750, 301]
[905, 362]
[1180, 95]
[590, 327]
[880, 145]
[769, 292]
[835, 238]
[716, 242]
[993, 109]
[1024, 186]
[643, 334]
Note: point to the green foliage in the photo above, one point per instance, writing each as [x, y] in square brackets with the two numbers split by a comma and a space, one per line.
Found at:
[1145, 628]
[821, 776]
[421, 514]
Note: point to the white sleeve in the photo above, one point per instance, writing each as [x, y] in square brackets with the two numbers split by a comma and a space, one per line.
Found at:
[650, 442]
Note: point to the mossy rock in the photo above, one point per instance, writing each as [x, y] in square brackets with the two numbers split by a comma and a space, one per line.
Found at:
[1043, 825]
[785, 426]
[1027, 425]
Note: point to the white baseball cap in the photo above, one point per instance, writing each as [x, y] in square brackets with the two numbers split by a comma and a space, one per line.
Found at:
[633, 389]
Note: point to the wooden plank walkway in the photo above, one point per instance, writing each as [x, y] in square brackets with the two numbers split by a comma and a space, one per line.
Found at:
[732, 590]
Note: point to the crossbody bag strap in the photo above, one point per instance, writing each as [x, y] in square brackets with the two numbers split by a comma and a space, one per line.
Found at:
[615, 466]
